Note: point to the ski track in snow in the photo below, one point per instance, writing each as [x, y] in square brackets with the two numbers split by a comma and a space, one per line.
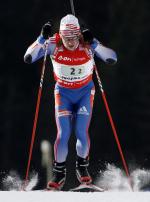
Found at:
[113, 179]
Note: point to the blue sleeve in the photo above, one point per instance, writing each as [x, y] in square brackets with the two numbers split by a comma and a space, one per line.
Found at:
[106, 54]
[38, 48]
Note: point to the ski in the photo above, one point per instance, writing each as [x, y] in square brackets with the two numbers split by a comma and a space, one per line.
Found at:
[80, 188]
[87, 188]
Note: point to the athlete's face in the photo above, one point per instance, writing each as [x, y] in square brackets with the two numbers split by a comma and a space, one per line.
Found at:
[71, 43]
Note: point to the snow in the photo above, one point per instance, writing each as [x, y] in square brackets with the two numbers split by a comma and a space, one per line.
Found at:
[45, 196]
[112, 179]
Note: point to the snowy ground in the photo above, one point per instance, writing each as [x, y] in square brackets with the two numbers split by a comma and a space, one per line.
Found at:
[39, 196]
[114, 180]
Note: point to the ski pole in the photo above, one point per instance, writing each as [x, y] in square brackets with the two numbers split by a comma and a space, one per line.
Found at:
[36, 116]
[112, 125]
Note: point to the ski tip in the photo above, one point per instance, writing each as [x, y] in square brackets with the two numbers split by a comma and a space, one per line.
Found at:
[87, 188]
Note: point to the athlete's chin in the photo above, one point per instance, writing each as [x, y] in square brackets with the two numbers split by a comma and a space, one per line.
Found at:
[71, 48]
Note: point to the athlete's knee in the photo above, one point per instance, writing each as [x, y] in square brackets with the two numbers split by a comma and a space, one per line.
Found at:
[81, 131]
[63, 128]
[63, 137]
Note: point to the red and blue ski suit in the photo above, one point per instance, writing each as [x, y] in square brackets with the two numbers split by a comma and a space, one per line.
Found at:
[74, 90]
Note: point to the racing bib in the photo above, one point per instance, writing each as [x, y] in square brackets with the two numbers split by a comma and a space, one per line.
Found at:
[72, 67]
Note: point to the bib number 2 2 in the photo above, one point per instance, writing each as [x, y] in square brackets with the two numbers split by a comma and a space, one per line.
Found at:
[75, 71]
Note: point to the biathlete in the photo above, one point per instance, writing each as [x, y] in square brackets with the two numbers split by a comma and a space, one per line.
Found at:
[72, 54]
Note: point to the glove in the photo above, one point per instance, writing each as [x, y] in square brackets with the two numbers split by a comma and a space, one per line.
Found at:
[87, 36]
[28, 58]
[46, 30]
[110, 61]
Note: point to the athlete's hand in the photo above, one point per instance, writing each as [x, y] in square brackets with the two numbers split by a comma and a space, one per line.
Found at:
[87, 36]
[46, 30]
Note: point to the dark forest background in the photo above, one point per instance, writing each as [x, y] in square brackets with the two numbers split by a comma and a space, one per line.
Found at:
[121, 25]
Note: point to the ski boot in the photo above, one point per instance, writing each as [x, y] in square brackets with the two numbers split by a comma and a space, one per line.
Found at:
[59, 177]
[82, 172]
